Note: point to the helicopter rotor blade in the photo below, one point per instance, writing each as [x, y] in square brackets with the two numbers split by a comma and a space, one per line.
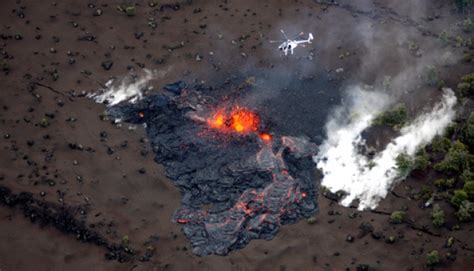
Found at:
[283, 32]
[298, 35]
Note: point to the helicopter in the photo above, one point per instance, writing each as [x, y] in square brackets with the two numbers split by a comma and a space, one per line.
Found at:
[289, 45]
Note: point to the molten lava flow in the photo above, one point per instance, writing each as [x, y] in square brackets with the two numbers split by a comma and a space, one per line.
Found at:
[218, 120]
[244, 121]
[239, 120]
[266, 137]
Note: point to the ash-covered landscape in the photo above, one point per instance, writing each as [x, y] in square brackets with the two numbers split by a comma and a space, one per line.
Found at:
[237, 135]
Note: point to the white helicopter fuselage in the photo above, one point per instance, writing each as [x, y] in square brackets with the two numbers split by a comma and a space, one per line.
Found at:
[290, 45]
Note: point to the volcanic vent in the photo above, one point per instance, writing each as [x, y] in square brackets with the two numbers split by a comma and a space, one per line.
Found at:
[239, 180]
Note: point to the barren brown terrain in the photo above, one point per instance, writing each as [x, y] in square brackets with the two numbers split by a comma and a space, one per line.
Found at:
[104, 174]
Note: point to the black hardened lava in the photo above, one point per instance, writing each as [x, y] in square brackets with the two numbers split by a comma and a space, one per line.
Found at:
[235, 187]
[62, 218]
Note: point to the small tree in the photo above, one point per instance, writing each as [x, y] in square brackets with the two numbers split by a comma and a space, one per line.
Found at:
[467, 132]
[467, 176]
[457, 160]
[437, 216]
[404, 164]
[458, 197]
[397, 217]
[432, 258]
[464, 214]
[469, 189]
[394, 117]
[463, 5]
[441, 144]
[421, 161]
[444, 184]
[130, 11]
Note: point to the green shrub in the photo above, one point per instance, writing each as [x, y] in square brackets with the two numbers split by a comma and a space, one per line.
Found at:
[444, 184]
[464, 214]
[397, 217]
[440, 144]
[469, 189]
[404, 164]
[44, 122]
[467, 25]
[394, 117]
[431, 76]
[130, 11]
[4, 65]
[432, 258]
[457, 160]
[467, 132]
[468, 78]
[458, 197]
[426, 193]
[463, 5]
[437, 216]
[467, 176]
[125, 240]
[444, 37]
[450, 242]
[311, 220]
[421, 161]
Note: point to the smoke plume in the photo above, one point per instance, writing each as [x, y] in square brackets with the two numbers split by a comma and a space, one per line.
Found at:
[369, 180]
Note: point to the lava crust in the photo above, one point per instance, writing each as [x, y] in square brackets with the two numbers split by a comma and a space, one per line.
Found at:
[235, 186]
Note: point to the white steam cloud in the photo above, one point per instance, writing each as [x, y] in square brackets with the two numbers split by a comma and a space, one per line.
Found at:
[126, 90]
[363, 179]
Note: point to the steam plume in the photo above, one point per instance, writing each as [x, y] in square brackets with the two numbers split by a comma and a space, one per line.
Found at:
[128, 89]
[346, 169]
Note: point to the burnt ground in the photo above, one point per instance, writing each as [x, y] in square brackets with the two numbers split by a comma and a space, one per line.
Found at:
[88, 177]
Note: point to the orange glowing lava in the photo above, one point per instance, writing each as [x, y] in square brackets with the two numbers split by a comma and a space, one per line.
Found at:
[218, 120]
[239, 120]
[266, 137]
[244, 121]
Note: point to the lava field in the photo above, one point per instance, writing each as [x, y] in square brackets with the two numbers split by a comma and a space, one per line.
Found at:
[238, 180]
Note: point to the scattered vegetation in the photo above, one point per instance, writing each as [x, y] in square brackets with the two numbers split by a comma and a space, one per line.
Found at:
[469, 189]
[444, 37]
[440, 144]
[467, 25]
[432, 258]
[464, 5]
[397, 217]
[421, 161]
[404, 164]
[467, 132]
[44, 122]
[444, 184]
[459, 197]
[452, 157]
[465, 212]
[437, 216]
[432, 78]
[426, 193]
[125, 240]
[4, 65]
[312, 220]
[130, 11]
[395, 117]
[466, 86]
[456, 160]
